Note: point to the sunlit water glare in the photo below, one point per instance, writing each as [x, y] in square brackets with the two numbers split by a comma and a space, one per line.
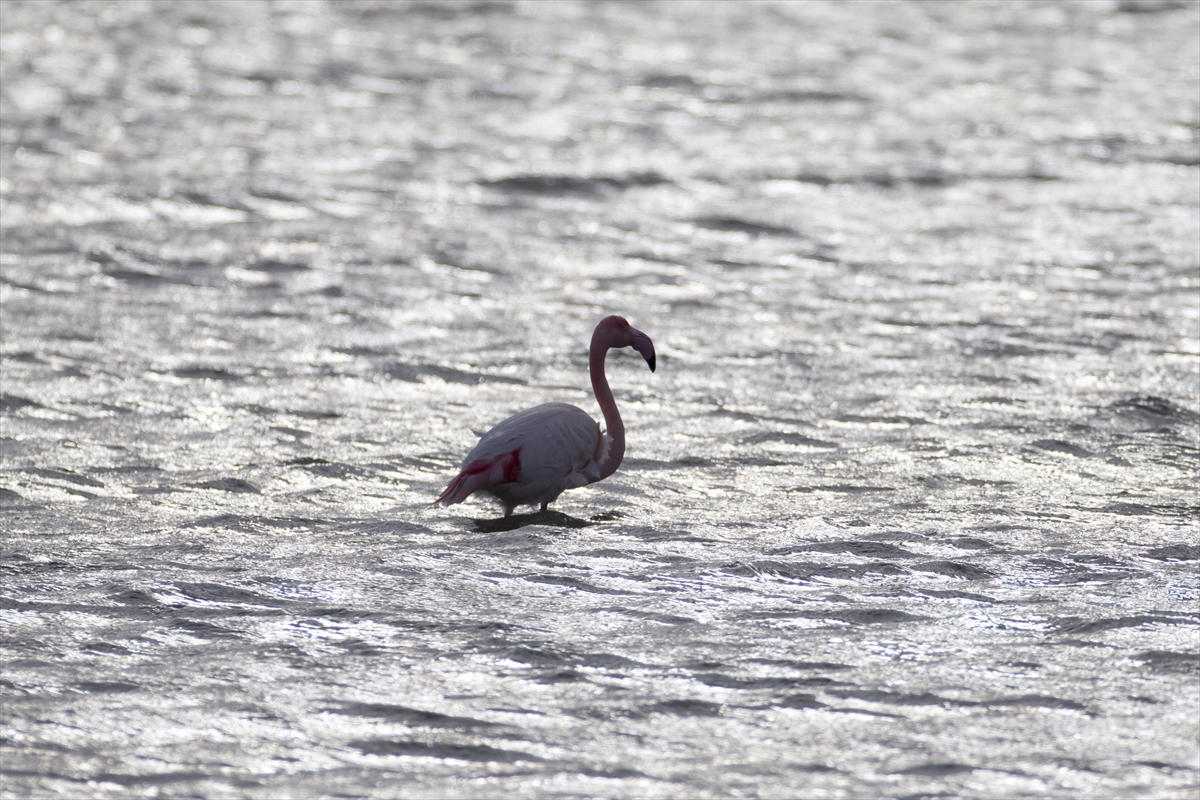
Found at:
[909, 507]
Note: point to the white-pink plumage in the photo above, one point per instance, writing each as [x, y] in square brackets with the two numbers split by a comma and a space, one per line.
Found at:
[536, 455]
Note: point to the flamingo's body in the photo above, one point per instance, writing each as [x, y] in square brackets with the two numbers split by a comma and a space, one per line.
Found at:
[536, 455]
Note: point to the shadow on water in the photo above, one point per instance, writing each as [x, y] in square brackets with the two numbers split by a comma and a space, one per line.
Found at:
[551, 519]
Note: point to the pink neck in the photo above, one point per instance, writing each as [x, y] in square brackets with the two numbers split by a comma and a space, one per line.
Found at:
[608, 404]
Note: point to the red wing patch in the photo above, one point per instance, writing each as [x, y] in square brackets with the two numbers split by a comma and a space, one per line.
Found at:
[510, 463]
[512, 469]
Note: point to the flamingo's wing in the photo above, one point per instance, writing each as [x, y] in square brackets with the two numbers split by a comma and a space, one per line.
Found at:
[534, 454]
[560, 445]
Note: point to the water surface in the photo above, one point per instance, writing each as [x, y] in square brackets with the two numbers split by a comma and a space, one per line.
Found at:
[909, 508]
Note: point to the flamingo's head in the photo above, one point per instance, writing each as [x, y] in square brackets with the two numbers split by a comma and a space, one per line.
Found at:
[621, 334]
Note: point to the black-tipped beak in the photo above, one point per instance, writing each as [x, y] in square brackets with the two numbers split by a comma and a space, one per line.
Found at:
[641, 342]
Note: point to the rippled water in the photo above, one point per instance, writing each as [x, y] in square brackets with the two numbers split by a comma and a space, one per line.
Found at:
[909, 508]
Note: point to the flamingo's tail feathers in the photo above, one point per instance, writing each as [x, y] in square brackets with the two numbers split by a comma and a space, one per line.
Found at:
[463, 486]
[480, 474]
[450, 495]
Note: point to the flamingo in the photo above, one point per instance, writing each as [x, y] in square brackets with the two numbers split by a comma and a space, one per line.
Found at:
[534, 456]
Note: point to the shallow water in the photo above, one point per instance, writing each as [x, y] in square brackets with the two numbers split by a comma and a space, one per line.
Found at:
[908, 509]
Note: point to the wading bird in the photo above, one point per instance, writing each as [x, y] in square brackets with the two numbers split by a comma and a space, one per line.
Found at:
[536, 455]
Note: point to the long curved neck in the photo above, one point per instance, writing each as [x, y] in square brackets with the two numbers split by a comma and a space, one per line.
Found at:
[608, 405]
